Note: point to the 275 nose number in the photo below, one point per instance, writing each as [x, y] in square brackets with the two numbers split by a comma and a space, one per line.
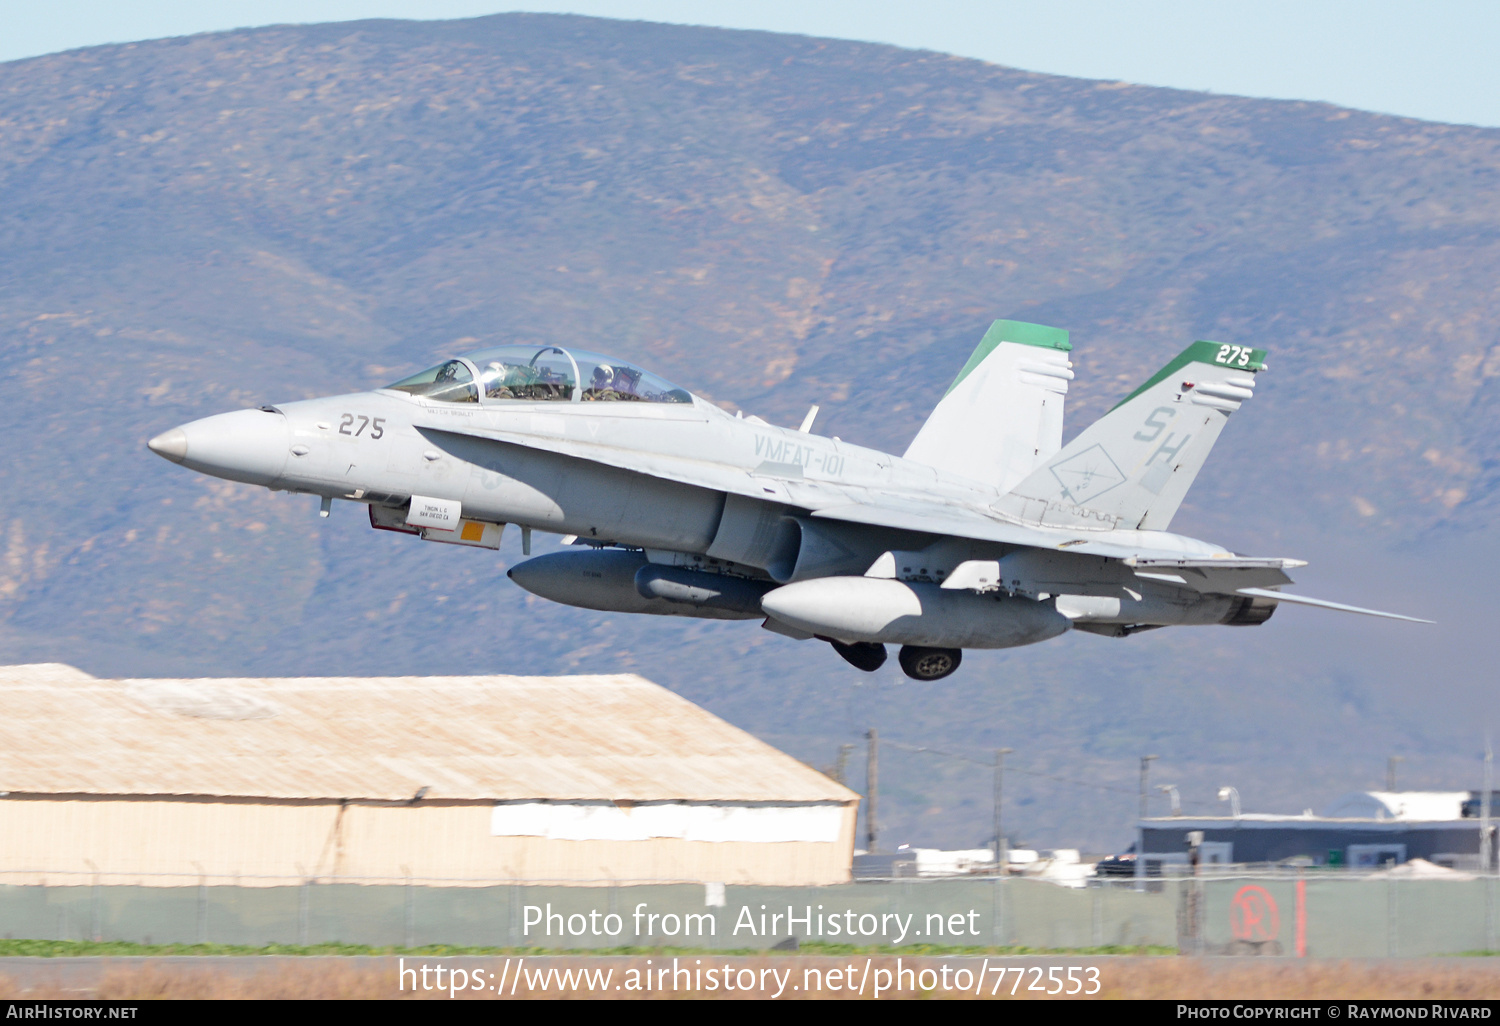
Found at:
[376, 425]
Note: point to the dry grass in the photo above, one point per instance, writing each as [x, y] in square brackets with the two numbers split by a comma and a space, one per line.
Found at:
[1165, 978]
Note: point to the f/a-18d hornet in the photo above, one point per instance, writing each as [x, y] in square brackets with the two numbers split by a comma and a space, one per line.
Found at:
[986, 533]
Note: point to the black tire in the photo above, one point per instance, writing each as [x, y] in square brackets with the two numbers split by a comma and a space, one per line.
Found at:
[862, 655]
[929, 663]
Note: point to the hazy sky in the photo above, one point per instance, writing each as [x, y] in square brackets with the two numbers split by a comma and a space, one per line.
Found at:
[1435, 59]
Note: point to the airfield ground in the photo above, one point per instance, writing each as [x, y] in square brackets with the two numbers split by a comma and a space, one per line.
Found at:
[376, 976]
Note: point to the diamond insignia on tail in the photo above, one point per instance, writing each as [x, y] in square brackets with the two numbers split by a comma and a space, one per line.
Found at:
[1087, 474]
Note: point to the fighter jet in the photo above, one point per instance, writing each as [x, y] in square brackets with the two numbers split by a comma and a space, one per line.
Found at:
[986, 533]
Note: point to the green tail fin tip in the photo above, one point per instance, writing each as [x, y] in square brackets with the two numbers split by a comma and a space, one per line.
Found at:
[1018, 332]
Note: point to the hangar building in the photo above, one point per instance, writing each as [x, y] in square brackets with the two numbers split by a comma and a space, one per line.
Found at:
[588, 780]
[1362, 830]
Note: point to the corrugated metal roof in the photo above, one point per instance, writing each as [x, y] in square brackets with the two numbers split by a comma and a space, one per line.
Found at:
[616, 737]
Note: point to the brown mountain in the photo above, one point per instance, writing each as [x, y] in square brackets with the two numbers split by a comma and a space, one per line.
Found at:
[190, 225]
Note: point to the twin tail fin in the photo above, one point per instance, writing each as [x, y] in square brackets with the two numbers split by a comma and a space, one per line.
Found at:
[1132, 468]
[1003, 415]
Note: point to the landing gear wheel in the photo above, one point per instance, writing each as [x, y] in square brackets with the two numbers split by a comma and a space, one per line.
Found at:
[929, 663]
[862, 655]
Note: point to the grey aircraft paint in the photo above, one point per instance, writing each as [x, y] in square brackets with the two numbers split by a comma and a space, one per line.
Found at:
[987, 534]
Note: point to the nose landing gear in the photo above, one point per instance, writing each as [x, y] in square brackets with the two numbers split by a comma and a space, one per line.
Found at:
[929, 663]
[862, 655]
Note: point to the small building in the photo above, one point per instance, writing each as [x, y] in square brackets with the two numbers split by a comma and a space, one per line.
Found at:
[907, 861]
[460, 780]
[1362, 830]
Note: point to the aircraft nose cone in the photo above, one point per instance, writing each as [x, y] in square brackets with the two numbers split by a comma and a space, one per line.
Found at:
[171, 445]
[246, 445]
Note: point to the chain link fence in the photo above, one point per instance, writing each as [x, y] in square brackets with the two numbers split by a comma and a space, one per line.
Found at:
[1272, 915]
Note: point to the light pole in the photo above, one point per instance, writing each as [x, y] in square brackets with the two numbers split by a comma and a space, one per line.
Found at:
[1171, 792]
[1390, 771]
[1486, 855]
[1232, 796]
[1146, 761]
[1000, 849]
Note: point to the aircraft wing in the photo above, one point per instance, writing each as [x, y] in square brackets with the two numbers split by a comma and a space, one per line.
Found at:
[803, 492]
[936, 516]
[925, 514]
[851, 503]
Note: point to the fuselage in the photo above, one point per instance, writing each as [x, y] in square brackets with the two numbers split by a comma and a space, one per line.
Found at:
[682, 509]
[679, 508]
[538, 464]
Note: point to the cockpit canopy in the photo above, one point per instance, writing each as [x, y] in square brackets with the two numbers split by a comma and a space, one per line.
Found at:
[539, 374]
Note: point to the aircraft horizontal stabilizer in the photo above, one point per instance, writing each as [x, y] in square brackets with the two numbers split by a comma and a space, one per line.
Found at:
[1223, 576]
[1303, 600]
